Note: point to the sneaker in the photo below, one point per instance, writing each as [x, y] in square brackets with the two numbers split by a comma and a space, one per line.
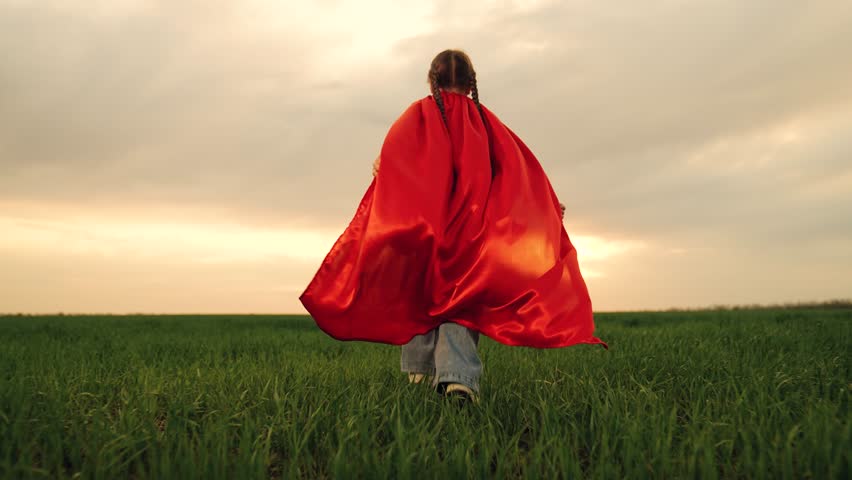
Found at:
[461, 392]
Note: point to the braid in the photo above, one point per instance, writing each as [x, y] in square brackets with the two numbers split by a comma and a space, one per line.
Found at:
[474, 92]
[436, 94]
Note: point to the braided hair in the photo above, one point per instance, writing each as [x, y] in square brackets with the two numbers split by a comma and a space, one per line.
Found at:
[436, 93]
[453, 69]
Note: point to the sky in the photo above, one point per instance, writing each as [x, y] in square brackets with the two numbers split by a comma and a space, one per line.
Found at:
[203, 156]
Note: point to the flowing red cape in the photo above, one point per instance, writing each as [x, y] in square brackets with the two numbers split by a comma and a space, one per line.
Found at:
[461, 224]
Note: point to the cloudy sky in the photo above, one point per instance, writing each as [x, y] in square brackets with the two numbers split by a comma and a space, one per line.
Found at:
[202, 156]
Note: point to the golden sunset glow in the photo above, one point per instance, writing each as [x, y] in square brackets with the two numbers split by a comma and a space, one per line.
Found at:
[189, 242]
[194, 246]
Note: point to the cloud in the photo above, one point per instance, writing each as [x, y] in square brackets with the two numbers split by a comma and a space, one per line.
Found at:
[674, 125]
[197, 104]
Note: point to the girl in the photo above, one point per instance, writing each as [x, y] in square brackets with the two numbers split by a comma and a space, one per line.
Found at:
[459, 233]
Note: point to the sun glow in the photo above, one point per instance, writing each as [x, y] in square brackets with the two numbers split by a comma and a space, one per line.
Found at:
[195, 243]
[210, 242]
[594, 252]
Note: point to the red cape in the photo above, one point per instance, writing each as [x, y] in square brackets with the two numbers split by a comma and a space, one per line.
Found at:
[461, 224]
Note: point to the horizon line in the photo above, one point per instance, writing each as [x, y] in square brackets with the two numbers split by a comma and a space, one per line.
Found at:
[831, 303]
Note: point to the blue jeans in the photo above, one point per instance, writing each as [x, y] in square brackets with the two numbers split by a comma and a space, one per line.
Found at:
[447, 353]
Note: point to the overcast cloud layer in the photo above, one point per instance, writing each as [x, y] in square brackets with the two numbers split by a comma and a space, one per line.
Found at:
[202, 156]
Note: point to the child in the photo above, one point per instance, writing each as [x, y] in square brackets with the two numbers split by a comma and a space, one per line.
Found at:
[459, 233]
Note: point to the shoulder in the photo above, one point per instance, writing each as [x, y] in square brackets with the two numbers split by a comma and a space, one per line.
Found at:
[419, 110]
[418, 106]
[413, 112]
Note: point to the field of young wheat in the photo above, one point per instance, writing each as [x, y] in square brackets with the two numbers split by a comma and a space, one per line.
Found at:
[705, 394]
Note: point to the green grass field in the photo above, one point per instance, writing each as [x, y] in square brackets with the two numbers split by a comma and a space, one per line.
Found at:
[706, 394]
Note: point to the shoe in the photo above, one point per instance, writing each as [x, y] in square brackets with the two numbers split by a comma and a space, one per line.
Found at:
[460, 392]
[418, 378]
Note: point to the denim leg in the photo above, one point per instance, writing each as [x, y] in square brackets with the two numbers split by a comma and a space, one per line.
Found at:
[418, 355]
[456, 359]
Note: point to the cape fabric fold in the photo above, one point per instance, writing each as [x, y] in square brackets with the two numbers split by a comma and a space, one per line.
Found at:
[461, 224]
